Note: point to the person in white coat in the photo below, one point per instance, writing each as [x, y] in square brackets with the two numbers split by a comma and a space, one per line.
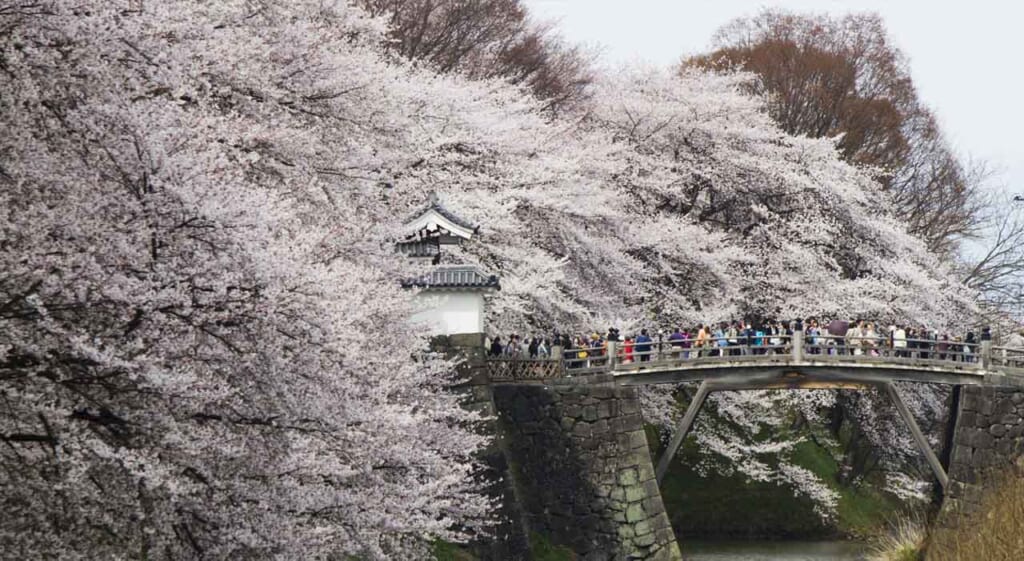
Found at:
[899, 341]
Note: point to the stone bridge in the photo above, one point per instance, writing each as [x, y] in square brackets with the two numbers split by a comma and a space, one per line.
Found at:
[575, 456]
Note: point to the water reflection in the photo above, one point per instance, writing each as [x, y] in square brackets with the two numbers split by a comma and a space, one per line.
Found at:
[772, 551]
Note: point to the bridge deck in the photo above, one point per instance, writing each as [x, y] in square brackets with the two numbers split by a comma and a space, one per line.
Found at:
[790, 363]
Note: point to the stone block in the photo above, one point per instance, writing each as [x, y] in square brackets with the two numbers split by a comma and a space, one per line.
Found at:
[582, 430]
[572, 411]
[645, 540]
[997, 430]
[651, 488]
[628, 477]
[635, 493]
[961, 454]
[1005, 448]
[645, 471]
[1010, 419]
[629, 406]
[981, 440]
[642, 528]
[590, 413]
[602, 392]
[665, 535]
[1003, 407]
[968, 419]
[971, 400]
[984, 457]
[987, 406]
[635, 513]
[590, 445]
[637, 440]
[653, 506]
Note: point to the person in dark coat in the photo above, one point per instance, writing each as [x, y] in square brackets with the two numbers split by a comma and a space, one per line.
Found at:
[496, 348]
[643, 346]
[837, 328]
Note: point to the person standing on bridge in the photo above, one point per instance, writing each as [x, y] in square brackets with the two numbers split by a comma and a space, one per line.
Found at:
[853, 338]
[703, 334]
[837, 329]
[643, 346]
[813, 334]
[719, 340]
[732, 334]
[870, 339]
[746, 337]
[942, 346]
[676, 340]
[496, 348]
[970, 346]
[899, 341]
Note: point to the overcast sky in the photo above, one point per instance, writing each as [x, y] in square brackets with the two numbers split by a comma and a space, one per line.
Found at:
[965, 55]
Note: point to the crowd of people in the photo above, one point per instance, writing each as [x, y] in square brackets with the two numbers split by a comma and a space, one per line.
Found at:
[738, 338]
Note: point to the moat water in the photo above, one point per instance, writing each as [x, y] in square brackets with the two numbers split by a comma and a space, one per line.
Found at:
[772, 551]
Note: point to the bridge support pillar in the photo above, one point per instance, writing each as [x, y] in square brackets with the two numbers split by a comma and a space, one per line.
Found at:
[682, 430]
[919, 438]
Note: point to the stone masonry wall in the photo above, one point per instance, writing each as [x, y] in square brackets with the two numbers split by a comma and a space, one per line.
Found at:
[582, 470]
[988, 441]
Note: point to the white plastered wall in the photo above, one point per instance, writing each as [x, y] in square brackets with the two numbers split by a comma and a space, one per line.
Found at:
[450, 312]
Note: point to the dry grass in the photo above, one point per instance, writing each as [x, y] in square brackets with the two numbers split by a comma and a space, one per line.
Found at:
[903, 542]
[994, 533]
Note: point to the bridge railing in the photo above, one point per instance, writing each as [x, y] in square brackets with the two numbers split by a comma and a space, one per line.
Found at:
[1007, 357]
[681, 353]
[867, 348]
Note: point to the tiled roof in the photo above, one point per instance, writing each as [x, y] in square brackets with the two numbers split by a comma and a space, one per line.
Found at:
[454, 276]
[436, 205]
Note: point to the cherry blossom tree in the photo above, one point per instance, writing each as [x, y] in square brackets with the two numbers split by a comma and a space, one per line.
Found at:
[203, 344]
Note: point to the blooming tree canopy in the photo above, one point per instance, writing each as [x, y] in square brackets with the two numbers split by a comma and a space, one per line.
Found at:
[204, 348]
